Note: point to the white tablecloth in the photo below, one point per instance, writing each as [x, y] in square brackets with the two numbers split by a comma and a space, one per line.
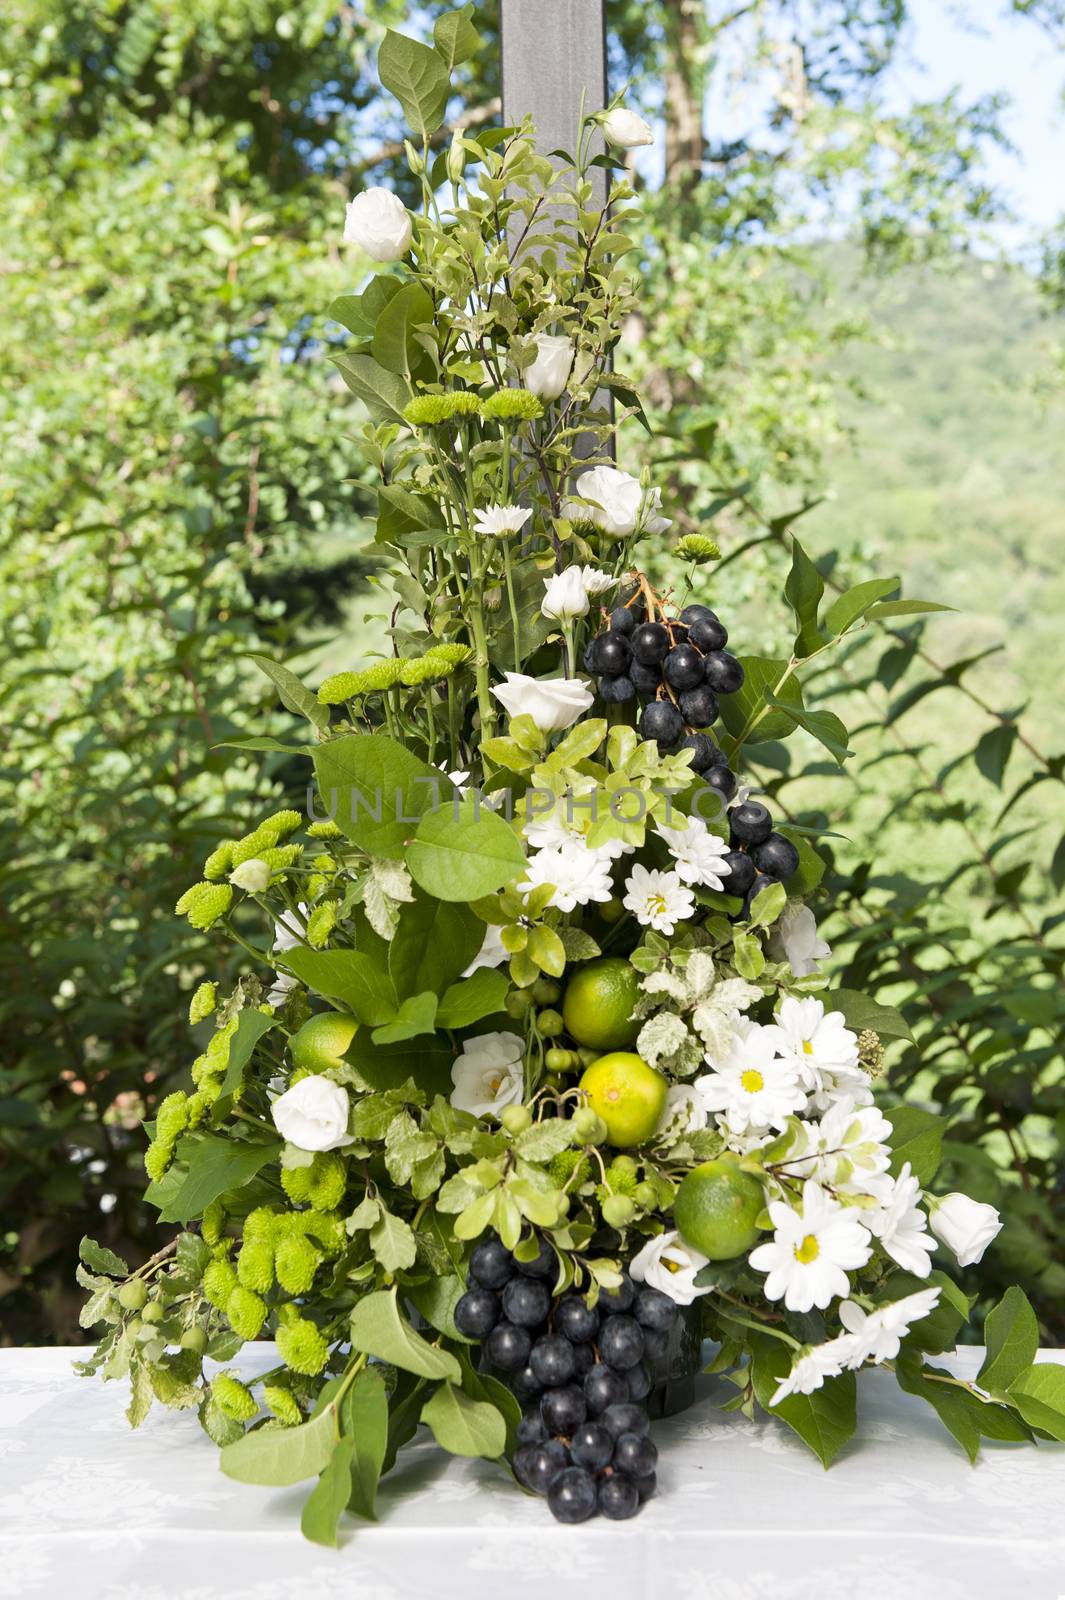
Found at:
[92, 1511]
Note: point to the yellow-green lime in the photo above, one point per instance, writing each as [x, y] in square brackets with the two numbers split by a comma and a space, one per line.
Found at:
[629, 1095]
[598, 1005]
[321, 1042]
[716, 1208]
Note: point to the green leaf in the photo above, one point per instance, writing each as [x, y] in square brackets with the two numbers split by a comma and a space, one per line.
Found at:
[546, 1139]
[803, 590]
[825, 726]
[1011, 1335]
[278, 1457]
[859, 1013]
[418, 78]
[462, 1426]
[740, 712]
[825, 1420]
[141, 1392]
[477, 996]
[435, 940]
[939, 1330]
[953, 1405]
[380, 1329]
[329, 1497]
[464, 852]
[294, 695]
[547, 950]
[347, 975]
[100, 1259]
[993, 751]
[392, 1242]
[399, 512]
[395, 346]
[416, 1014]
[250, 1029]
[455, 37]
[364, 1415]
[747, 955]
[1039, 1395]
[917, 1137]
[854, 603]
[383, 393]
[377, 792]
[905, 608]
[216, 1164]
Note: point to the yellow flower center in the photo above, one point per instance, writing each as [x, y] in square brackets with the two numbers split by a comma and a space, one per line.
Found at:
[656, 903]
[752, 1081]
[494, 1083]
[808, 1251]
[672, 1266]
[808, 1047]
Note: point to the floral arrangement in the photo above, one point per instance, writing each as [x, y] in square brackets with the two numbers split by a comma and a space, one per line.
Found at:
[535, 1081]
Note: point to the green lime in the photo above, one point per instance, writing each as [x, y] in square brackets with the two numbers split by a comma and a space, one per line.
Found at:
[629, 1095]
[716, 1209]
[322, 1040]
[599, 1002]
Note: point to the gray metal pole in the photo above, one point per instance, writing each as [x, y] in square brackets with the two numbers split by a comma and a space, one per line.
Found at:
[552, 51]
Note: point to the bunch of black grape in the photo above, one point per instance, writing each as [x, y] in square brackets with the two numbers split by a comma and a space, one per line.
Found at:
[758, 857]
[580, 1373]
[678, 669]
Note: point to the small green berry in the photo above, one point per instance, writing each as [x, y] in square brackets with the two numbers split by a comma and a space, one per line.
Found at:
[625, 1164]
[518, 1004]
[613, 910]
[589, 1126]
[545, 991]
[557, 1060]
[550, 1024]
[646, 1195]
[618, 1210]
[194, 1339]
[133, 1295]
[586, 1056]
[154, 1311]
[516, 1119]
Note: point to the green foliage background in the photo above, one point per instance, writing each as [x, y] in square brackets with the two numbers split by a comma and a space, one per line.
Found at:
[178, 490]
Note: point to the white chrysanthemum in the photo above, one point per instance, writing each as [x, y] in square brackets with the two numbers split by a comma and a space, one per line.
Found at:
[290, 928]
[813, 1367]
[579, 875]
[813, 1248]
[848, 1151]
[657, 899]
[795, 940]
[824, 1051]
[902, 1226]
[667, 1263]
[698, 855]
[752, 1087]
[492, 953]
[569, 822]
[877, 1336]
[489, 1074]
[597, 582]
[500, 520]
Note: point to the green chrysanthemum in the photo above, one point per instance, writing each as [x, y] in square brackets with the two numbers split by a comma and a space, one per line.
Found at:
[204, 903]
[302, 1347]
[328, 1180]
[203, 1002]
[219, 1281]
[283, 1404]
[256, 843]
[233, 1398]
[326, 1227]
[429, 669]
[157, 1159]
[214, 1221]
[455, 653]
[296, 1182]
[697, 547]
[246, 1312]
[562, 1167]
[621, 1180]
[282, 822]
[255, 1265]
[325, 830]
[199, 1105]
[220, 862]
[282, 856]
[335, 690]
[172, 1117]
[261, 1224]
[320, 924]
[297, 1263]
[428, 410]
[512, 405]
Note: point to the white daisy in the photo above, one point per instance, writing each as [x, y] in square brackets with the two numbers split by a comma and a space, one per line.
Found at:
[489, 1074]
[289, 931]
[902, 1226]
[570, 821]
[597, 582]
[847, 1150]
[579, 875]
[667, 1263]
[698, 855]
[501, 520]
[813, 1248]
[825, 1052]
[813, 1367]
[878, 1335]
[657, 899]
[752, 1087]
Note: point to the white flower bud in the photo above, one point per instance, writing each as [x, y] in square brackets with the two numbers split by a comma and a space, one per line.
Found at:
[253, 876]
[378, 222]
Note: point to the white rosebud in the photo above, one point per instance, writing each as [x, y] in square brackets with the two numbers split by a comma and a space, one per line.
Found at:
[625, 129]
[565, 595]
[795, 940]
[379, 223]
[313, 1114]
[253, 876]
[547, 376]
[965, 1226]
[553, 703]
[667, 1263]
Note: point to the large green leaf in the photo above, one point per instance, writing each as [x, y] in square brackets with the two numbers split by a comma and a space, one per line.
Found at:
[418, 78]
[250, 1029]
[383, 393]
[904, 608]
[740, 711]
[364, 1415]
[455, 37]
[825, 726]
[803, 590]
[379, 1328]
[462, 1426]
[293, 694]
[328, 1499]
[434, 942]
[464, 852]
[962, 1413]
[399, 512]
[854, 603]
[214, 1165]
[346, 975]
[278, 1457]
[477, 996]
[1011, 1335]
[395, 345]
[825, 1420]
[1039, 1395]
[359, 312]
[415, 1015]
[377, 792]
[939, 1330]
[917, 1137]
[859, 1012]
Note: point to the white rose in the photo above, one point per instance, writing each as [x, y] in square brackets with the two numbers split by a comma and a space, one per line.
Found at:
[965, 1226]
[565, 595]
[313, 1114]
[253, 876]
[379, 223]
[489, 1074]
[548, 373]
[625, 129]
[667, 1263]
[795, 941]
[614, 497]
[553, 703]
